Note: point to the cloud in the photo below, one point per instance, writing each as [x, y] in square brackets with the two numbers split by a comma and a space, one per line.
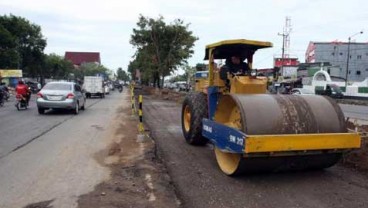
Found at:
[106, 26]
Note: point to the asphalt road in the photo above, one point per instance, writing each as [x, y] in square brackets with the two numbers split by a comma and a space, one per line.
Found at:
[50, 158]
[355, 111]
[200, 183]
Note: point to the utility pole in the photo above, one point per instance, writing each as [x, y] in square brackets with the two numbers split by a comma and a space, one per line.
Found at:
[347, 66]
[282, 55]
[347, 61]
[285, 42]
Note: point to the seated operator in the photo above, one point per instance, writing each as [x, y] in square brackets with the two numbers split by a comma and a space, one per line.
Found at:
[234, 65]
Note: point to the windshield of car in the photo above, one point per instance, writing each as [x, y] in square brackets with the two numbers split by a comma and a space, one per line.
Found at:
[57, 86]
[336, 88]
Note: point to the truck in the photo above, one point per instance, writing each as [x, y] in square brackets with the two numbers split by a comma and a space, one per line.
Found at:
[94, 86]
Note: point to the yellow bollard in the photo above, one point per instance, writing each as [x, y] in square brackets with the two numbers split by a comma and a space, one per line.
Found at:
[132, 100]
[140, 114]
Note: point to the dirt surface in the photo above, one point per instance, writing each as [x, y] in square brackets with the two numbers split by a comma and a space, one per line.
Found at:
[358, 158]
[200, 183]
[138, 177]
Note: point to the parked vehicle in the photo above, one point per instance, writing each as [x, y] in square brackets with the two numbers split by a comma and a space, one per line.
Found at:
[61, 95]
[331, 90]
[21, 102]
[301, 91]
[181, 86]
[94, 86]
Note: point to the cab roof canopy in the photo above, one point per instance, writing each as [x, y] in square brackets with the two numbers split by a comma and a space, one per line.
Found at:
[239, 47]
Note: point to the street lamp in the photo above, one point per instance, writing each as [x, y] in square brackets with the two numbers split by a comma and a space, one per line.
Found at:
[347, 62]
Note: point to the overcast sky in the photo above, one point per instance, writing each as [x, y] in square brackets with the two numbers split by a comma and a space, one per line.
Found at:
[106, 26]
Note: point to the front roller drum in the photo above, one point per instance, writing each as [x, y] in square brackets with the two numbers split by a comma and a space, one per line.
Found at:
[278, 114]
[235, 164]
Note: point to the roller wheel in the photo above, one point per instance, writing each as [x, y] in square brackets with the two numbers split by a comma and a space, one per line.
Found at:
[235, 164]
[243, 112]
[193, 111]
[228, 162]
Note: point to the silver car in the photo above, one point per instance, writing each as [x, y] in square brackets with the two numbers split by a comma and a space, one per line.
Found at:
[61, 95]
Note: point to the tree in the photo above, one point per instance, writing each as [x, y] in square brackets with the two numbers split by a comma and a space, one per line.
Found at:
[28, 42]
[91, 69]
[122, 75]
[161, 47]
[57, 67]
[9, 56]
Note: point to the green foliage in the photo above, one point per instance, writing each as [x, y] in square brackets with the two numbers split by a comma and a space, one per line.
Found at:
[57, 67]
[188, 75]
[24, 44]
[161, 48]
[9, 57]
[90, 69]
[122, 75]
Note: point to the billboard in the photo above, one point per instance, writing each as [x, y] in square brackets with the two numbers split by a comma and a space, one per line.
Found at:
[4, 73]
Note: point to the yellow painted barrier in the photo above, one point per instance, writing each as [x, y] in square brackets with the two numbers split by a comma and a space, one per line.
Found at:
[301, 142]
[132, 99]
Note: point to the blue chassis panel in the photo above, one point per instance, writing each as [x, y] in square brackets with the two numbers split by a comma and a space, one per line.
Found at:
[213, 95]
[223, 137]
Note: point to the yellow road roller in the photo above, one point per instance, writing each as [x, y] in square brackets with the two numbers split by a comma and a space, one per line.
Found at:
[253, 131]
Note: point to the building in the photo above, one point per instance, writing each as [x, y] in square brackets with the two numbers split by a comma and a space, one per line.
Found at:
[78, 58]
[336, 54]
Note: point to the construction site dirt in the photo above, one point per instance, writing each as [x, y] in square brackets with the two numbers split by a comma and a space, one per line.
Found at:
[198, 181]
[138, 178]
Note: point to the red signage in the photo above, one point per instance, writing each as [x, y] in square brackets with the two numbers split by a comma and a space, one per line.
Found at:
[278, 62]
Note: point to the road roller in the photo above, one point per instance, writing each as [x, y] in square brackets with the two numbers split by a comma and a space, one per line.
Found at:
[253, 131]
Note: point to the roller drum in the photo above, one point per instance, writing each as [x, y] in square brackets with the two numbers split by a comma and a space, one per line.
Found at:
[266, 114]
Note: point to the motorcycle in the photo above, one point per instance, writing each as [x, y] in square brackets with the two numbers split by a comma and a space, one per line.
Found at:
[120, 89]
[1, 98]
[6, 95]
[21, 102]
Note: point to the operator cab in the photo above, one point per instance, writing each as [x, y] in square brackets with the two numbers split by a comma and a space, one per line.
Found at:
[225, 50]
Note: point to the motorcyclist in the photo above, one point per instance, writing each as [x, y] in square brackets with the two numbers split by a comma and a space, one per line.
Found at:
[4, 91]
[23, 89]
[2, 95]
[120, 87]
